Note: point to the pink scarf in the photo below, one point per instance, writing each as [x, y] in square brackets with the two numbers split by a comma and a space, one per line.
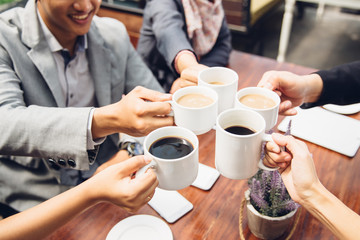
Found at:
[203, 20]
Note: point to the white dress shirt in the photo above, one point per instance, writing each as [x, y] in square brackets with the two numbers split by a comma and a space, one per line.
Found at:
[75, 78]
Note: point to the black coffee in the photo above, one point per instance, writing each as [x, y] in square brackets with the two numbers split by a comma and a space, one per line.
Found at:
[239, 130]
[171, 148]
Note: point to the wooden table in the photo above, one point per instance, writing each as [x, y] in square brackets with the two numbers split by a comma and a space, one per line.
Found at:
[215, 215]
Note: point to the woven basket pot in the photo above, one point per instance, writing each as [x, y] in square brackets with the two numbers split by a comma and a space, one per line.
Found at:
[266, 227]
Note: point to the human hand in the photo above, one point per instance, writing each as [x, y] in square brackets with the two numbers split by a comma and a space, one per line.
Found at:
[188, 77]
[137, 114]
[191, 73]
[275, 156]
[180, 83]
[293, 89]
[118, 157]
[299, 175]
[116, 185]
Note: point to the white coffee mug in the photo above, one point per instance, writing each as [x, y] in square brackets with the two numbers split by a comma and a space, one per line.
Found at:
[238, 156]
[269, 114]
[198, 119]
[175, 173]
[224, 81]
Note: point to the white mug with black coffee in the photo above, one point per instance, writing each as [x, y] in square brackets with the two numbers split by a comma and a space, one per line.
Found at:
[175, 156]
[261, 100]
[195, 108]
[239, 137]
[224, 81]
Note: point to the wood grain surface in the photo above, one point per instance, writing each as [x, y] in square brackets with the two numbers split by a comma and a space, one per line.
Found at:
[216, 212]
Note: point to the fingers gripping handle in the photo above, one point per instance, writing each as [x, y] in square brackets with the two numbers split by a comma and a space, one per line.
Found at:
[266, 138]
[142, 170]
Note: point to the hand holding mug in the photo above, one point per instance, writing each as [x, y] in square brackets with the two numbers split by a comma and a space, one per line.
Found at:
[239, 137]
[225, 83]
[293, 89]
[262, 100]
[195, 108]
[114, 184]
[274, 154]
[175, 156]
[138, 113]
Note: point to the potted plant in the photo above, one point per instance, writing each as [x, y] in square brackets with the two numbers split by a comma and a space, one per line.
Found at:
[270, 209]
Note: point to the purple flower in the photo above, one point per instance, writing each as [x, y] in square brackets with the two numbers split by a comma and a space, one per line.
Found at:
[268, 194]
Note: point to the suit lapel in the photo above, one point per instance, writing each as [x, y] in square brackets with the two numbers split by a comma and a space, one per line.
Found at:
[99, 66]
[99, 57]
[43, 60]
[40, 53]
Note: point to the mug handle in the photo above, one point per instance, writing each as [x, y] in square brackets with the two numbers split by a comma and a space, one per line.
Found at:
[142, 170]
[171, 114]
[267, 138]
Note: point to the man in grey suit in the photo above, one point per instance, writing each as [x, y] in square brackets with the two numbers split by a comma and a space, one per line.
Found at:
[63, 73]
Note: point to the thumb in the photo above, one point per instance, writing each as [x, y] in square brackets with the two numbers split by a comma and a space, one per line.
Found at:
[153, 96]
[133, 164]
[267, 81]
[279, 139]
[285, 141]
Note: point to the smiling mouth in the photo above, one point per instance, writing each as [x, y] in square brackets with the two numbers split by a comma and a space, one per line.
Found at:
[81, 17]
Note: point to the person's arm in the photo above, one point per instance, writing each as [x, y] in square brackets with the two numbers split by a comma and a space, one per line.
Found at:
[184, 59]
[304, 187]
[341, 85]
[142, 109]
[118, 157]
[188, 67]
[169, 29]
[333, 213]
[168, 25]
[137, 114]
[114, 184]
[294, 90]
[34, 130]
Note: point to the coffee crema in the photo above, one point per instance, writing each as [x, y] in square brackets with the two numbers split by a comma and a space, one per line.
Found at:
[217, 83]
[171, 148]
[239, 130]
[257, 101]
[195, 100]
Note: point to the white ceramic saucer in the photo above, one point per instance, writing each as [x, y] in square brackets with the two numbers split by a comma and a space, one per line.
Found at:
[343, 109]
[140, 227]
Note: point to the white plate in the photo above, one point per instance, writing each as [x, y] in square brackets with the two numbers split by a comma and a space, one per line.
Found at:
[343, 109]
[140, 227]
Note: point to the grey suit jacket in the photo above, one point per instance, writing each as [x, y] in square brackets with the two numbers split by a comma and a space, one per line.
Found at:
[33, 118]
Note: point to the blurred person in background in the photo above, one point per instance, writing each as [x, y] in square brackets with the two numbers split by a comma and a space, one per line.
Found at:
[179, 38]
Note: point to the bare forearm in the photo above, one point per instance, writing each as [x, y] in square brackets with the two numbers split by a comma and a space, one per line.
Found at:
[136, 114]
[103, 123]
[334, 214]
[41, 220]
[184, 60]
[313, 87]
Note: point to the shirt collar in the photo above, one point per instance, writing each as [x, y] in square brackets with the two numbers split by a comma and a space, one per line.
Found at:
[81, 41]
